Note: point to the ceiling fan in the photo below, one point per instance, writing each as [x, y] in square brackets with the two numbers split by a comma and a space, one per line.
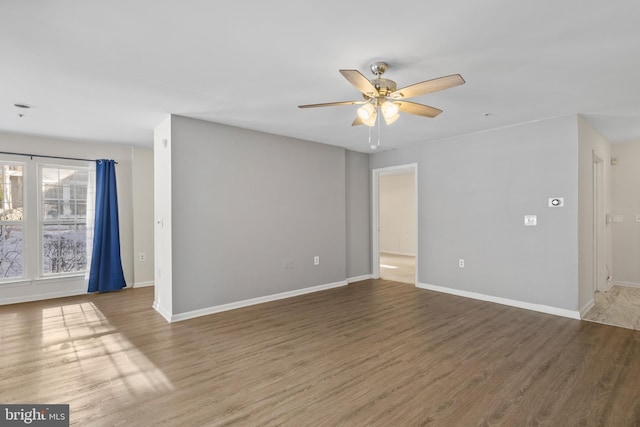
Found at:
[381, 95]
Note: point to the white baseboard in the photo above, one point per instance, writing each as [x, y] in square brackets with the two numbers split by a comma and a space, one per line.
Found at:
[143, 284]
[253, 301]
[39, 297]
[588, 306]
[627, 284]
[358, 278]
[164, 313]
[572, 314]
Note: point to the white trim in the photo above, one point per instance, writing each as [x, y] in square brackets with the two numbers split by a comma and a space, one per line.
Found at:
[375, 224]
[253, 301]
[15, 283]
[143, 284]
[164, 313]
[598, 199]
[588, 306]
[51, 278]
[39, 297]
[572, 314]
[610, 285]
[626, 284]
[359, 278]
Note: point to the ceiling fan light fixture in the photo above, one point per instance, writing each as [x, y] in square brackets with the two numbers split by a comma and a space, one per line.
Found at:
[366, 112]
[392, 119]
[372, 120]
[389, 110]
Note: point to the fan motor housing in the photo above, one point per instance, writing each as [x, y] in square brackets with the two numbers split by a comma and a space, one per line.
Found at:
[385, 86]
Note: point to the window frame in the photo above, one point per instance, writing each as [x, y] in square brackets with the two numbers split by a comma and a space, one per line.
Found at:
[23, 223]
[42, 220]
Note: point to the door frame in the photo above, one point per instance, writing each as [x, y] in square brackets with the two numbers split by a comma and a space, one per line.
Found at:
[375, 214]
[599, 260]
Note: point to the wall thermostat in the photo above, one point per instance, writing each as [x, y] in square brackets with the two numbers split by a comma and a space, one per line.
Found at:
[556, 202]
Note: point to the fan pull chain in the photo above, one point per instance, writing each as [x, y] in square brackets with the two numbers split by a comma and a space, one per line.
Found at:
[378, 120]
[376, 145]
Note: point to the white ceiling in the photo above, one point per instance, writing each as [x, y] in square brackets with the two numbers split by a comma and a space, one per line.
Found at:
[110, 71]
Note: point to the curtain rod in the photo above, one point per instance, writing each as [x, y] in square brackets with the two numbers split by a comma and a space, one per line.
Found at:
[49, 157]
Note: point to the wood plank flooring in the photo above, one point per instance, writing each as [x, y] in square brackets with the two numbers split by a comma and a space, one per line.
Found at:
[372, 353]
[398, 268]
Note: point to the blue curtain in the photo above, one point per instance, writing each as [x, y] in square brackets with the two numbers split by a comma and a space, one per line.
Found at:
[106, 265]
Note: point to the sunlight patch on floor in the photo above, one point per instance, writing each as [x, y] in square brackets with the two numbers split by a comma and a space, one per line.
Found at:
[84, 339]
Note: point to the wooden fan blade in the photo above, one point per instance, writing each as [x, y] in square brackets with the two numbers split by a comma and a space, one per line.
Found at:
[428, 86]
[357, 121]
[332, 104]
[417, 109]
[360, 82]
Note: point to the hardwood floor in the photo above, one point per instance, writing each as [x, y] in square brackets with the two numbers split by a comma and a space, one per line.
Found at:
[398, 268]
[371, 353]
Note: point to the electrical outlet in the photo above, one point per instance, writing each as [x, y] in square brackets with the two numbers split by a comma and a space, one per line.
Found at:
[142, 257]
[287, 263]
[461, 263]
[316, 260]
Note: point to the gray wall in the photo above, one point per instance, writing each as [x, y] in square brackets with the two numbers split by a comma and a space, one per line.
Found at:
[358, 205]
[143, 229]
[245, 205]
[473, 193]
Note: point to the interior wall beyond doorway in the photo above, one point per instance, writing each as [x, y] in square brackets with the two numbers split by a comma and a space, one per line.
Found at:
[397, 214]
[625, 218]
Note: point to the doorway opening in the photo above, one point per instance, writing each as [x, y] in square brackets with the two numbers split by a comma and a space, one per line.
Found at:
[615, 302]
[395, 223]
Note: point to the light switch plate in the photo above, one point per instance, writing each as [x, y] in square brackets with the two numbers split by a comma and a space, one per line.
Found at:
[530, 220]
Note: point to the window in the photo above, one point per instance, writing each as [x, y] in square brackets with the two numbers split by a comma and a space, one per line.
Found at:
[11, 220]
[63, 214]
[44, 226]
